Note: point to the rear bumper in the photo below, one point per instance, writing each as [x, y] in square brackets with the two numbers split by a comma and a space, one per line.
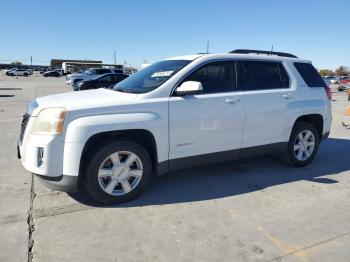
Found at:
[62, 183]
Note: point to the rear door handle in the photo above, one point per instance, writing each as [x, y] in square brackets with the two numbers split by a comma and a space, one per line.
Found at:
[233, 100]
[287, 96]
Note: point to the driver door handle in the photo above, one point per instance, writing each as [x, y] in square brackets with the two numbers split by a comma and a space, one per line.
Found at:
[287, 96]
[233, 100]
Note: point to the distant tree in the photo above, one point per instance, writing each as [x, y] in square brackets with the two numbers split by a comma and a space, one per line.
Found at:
[16, 63]
[342, 71]
[326, 72]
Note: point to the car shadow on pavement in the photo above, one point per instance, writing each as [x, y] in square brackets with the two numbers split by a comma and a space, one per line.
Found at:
[237, 177]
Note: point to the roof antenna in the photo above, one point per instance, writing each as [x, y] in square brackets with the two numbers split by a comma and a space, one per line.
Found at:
[208, 47]
[271, 49]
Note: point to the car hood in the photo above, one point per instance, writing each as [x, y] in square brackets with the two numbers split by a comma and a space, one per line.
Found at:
[71, 101]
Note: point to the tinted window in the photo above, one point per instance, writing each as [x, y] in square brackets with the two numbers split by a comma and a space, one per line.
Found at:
[120, 77]
[103, 71]
[260, 75]
[107, 78]
[310, 75]
[215, 77]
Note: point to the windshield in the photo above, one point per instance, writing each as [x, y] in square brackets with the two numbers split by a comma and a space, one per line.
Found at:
[89, 71]
[151, 77]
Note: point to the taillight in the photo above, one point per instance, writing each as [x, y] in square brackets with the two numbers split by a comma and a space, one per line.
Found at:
[328, 92]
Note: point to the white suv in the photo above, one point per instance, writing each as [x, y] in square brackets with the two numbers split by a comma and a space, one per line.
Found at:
[19, 72]
[177, 113]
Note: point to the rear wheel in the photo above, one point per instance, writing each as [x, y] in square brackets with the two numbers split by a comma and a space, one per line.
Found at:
[303, 144]
[118, 172]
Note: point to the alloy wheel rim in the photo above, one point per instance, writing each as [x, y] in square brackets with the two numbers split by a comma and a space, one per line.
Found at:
[120, 173]
[304, 145]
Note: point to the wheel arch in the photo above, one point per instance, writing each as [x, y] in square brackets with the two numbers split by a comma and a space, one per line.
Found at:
[141, 136]
[315, 119]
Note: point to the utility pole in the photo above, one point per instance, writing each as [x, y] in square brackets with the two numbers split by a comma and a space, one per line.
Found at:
[208, 47]
[115, 57]
[31, 61]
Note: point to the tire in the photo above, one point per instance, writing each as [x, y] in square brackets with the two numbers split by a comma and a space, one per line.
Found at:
[25, 74]
[292, 155]
[98, 185]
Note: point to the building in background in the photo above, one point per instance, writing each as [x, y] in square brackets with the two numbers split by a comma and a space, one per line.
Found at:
[57, 63]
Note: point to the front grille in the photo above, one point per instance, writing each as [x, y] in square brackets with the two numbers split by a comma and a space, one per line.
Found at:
[23, 126]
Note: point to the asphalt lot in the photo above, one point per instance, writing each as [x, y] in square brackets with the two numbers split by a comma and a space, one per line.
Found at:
[251, 210]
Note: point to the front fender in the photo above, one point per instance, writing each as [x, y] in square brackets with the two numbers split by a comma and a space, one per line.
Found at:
[80, 130]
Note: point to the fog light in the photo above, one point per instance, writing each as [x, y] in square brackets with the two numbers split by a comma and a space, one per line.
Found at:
[40, 156]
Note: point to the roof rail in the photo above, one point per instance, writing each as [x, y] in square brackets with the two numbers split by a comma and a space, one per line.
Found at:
[252, 51]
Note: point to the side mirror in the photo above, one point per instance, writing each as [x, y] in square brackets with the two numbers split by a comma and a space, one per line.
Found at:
[189, 88]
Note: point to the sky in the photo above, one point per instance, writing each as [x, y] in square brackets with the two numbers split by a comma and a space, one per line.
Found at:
[150, 31]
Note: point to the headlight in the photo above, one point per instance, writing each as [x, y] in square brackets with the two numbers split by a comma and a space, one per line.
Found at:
[49, 121]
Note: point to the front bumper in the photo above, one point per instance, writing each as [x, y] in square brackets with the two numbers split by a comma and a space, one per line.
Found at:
[62, 183]
[43, 156]
[325, 136]
[68, 80]
[40, 154]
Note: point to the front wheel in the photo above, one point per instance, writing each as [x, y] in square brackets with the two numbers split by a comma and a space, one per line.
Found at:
[303, 144]
[118, 172]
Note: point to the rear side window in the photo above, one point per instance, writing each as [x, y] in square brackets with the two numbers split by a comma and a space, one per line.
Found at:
[262, 75]
[310, 75]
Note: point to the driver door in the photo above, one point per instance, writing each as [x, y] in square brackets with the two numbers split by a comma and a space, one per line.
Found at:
[209, 122]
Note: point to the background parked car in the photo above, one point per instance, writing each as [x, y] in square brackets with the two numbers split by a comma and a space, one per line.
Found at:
[106, 81]
[19, 72]
[344, 84]
[344, 81]
[43, 70]
[327, 80]
[7, 71]
[89, 74]
[55, 73]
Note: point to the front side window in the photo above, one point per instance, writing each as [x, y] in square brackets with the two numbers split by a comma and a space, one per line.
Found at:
[216, 77]
[107, 78]
[151, 77]
[262, 75]
[120, 77]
